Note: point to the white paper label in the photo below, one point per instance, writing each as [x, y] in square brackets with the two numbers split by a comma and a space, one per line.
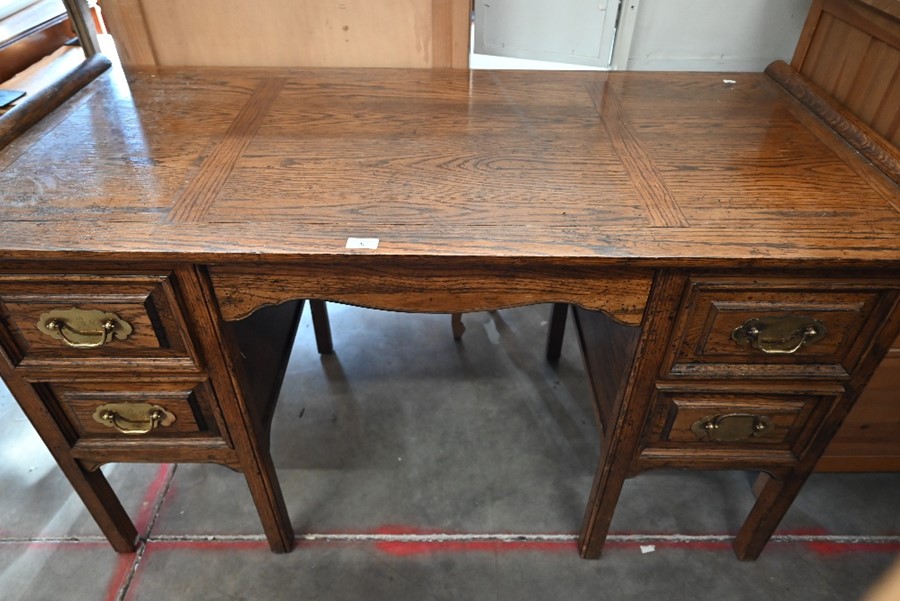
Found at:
[369, 243]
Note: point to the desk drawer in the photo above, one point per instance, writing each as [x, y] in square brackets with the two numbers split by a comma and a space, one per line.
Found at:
[154, 410]
[775, 327]
[87, 322]
[702, 419]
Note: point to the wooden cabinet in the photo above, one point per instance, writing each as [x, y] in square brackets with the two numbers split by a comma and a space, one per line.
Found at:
[705, 419]
[56, 321]
[132, 411]
[843, 315]
[114, 361]
[30, 34]
[849, 51]
[113, 364]
[291, 33]
[773, 326]
[711, 342]
[869, 439]
[753, 371]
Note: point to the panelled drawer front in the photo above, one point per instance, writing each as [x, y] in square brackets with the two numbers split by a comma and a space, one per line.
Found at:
[147, 325]
[774, 327]
[740, 420]
[109, 410]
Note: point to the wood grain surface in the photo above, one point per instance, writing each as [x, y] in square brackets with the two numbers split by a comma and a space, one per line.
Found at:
[440, 164]
[284, 33]
[851, 51]
[422, 286]
[856, 132]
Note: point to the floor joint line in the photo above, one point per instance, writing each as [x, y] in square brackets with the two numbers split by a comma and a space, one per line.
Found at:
[521, 537]
[447, 537]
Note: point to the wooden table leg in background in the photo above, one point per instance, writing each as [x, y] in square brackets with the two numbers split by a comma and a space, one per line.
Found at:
[557, 331]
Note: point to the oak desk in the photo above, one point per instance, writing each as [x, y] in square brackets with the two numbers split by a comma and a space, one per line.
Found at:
[738, 261]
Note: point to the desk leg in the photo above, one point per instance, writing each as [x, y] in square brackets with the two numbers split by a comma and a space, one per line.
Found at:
[608, 482]
[622, 363]
[774, 499]
[266, 493]
[91, 486]
[103, 505]
[245, 426]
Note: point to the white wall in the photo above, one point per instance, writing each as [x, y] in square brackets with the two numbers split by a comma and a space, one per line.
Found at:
[714, 35]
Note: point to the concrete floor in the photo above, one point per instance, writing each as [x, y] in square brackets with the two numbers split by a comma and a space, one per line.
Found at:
[415, 467]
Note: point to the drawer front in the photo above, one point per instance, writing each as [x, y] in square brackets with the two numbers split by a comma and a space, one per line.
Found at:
[740, 420]
[157, 410]
[774, 327]
[84, 322]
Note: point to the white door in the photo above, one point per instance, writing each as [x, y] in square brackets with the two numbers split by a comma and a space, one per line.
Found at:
[580, 32]
[699, 35]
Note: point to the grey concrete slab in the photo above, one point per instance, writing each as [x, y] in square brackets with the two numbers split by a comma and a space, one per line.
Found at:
[37, 500]
[48, 572]
[370, 571]
[404, 429]
[848, 503]
[718, 502]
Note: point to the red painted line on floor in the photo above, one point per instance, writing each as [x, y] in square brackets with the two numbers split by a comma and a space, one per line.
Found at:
[818, 547]
[409, 548]
[804, 532]
[401, 529]
[657, 533]
[388, 530]
[694, 545]
[829, 548]
[152, 497]
[145, 517]
[57, 544]
[205, 545]
[119, 576]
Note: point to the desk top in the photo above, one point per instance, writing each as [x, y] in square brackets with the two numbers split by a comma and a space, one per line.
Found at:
[216, 165]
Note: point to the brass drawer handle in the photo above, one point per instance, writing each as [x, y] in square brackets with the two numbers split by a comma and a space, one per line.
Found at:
[133, 418]
[731, 427]
[782, 335]
[83, 328]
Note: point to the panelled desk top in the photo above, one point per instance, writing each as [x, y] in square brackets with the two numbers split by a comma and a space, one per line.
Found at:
[597, 167]
[679, 206]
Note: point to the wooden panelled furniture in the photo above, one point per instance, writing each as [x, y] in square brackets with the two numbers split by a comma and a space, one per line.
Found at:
[31, 33]
[851, 54]
[288, 33]
[731, 248]
[28, 34]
